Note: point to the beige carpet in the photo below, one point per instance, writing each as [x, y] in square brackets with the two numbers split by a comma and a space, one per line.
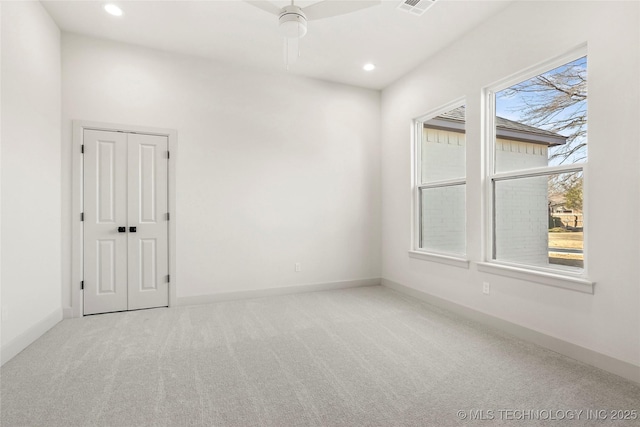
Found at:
[355, 357]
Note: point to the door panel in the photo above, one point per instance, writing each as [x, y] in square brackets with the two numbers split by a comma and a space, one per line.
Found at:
[106, 266]
[147, 211]
[148, 264]
[106, 165]
[105, 209]
[125, 185]
[147, 183]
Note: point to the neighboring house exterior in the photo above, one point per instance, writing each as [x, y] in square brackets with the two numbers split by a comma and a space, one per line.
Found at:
[522, 205]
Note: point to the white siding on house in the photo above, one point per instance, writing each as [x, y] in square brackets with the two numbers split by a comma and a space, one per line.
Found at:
[443, 225]
[522, 221]
[514, 155]
[443, 221]
[521, 211]
[443, 155]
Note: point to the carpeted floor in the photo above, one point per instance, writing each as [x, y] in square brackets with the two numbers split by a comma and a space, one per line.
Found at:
[356, 357]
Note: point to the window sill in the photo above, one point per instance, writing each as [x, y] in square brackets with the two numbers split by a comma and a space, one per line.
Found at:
[574, 283]
[442, 259]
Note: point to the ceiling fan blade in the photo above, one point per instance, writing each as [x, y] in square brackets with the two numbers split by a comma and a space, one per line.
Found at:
[329, 8]
[266, 6]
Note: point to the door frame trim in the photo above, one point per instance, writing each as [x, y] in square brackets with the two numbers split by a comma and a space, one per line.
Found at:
[77, 202]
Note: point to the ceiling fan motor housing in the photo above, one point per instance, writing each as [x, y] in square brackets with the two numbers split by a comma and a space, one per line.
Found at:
[293, 22]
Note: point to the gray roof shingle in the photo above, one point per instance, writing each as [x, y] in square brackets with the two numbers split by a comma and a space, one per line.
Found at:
[505, 128]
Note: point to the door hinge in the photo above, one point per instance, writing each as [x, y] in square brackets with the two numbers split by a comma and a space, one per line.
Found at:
[168, 216]
[82, 148]
[82, 285]
[168, 154]
[168, 278]
[81, 216]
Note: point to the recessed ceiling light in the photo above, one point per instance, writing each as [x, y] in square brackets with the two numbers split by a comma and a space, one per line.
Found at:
[369, 67]
[113, 9]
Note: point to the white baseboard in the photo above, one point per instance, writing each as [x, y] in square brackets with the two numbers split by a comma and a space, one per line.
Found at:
[67, 313]
[25, 339]
[259, 293]
[610, 364]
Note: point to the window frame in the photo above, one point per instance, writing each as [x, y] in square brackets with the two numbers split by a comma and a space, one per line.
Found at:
[416, 251]
[568, 278]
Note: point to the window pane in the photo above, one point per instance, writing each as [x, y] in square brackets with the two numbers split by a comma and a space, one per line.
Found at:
[443, 147]
[538, 220]
[443, 224]
[542, 121]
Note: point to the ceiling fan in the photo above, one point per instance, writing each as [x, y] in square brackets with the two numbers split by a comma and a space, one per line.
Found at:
[292, 19]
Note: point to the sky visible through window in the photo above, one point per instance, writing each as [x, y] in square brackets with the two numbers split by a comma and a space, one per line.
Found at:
[555, 101]
[539, 219]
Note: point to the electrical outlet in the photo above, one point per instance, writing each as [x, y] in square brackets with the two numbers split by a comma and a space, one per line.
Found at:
[298, 267]
[486, 288]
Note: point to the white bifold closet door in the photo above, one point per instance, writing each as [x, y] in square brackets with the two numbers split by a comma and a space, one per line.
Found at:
[125, 221]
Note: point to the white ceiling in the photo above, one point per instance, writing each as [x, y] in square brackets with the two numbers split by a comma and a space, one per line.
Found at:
[334, 49]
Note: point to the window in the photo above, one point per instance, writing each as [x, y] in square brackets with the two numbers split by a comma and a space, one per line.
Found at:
[538, 154]
[439, 207]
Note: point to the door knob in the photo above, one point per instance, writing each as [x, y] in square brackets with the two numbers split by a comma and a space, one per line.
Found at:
[132, 229]
[122, 229]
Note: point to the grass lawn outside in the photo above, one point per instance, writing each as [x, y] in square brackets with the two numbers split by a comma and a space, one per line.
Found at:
[566, 240]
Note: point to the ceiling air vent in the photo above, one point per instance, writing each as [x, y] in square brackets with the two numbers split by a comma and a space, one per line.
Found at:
[415, 7]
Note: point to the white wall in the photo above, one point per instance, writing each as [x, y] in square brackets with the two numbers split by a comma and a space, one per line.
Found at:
[607, 322]
[272, 169]
[31, 181]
